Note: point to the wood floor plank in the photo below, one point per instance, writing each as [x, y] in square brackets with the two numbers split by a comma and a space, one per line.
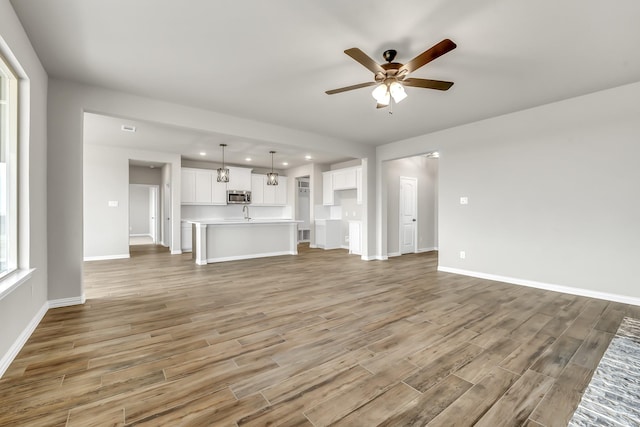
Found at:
[518, 402]
[305, 340]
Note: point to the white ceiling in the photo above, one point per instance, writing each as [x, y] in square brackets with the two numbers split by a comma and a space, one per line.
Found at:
[271, 61]
[189, 143]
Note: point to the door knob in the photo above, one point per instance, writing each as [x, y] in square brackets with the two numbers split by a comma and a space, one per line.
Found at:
[414, 220]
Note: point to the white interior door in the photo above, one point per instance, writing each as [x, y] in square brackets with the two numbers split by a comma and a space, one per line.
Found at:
[408, 215]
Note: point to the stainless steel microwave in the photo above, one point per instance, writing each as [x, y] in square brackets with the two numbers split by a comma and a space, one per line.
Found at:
[238, 197]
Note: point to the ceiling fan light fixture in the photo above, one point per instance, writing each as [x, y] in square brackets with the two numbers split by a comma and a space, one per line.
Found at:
[397, 91]
[381, 94]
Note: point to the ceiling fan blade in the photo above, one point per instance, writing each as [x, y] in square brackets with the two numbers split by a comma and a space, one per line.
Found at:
[428, 84]
[429, 55]
[364, 59]
[346, 88]
[382, 105]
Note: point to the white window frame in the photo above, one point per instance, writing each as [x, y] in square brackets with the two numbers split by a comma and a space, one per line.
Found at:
[9, 194]
[16, 273]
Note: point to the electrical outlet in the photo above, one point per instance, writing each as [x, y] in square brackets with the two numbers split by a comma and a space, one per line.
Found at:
[464, 200]
[463, 255]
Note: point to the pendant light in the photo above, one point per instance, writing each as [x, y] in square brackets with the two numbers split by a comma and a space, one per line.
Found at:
[223, 173]
[272, 177]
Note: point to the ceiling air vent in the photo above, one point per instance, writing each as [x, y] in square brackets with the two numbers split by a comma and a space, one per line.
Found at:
[128, 128]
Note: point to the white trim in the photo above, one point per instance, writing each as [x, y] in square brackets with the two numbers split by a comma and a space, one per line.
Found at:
[106, 257]
[250, 256]
[176, 252]
[66, 302]
[17, 345]
[547, 286]
[312, 246]
[374, 258]
[13, 280]
[427, 249]
[139, 235]
[394, 254]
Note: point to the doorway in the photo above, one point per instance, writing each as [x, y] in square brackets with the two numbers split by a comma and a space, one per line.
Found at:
[303, 208]
[143, 214]
[411, 192]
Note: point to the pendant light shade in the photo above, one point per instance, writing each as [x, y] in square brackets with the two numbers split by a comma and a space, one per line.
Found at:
[223, 173]
[272, 177]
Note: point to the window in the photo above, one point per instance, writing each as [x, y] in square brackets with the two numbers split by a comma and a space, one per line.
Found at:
[8, 169]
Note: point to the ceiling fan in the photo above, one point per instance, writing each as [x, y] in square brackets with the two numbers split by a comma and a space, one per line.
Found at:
[390, 78]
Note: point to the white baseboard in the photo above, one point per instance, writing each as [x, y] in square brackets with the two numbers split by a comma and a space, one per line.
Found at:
[392, 254]
[312, 246]
[374, 258]
[420, 250]
[66, 302]
[546, 286]
[106, 257]
[241, 257]
[15, 348]
[176, 252]
[139, 235]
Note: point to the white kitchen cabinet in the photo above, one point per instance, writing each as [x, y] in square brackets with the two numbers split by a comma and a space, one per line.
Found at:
[281, 191]
[188, 186]
[328, 232]
[218, 190]
[341, 179]
[344, 179]
[355, 237]
[239, 178]
[186, 237]
[201, 187]
[268, 195]
[327, 188]
[257, 189]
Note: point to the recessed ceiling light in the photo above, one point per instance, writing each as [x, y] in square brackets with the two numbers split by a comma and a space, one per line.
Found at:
[128, 128]
[248, 159]
[202, 153]
[308, 157]
[151, 167]
[285, 163]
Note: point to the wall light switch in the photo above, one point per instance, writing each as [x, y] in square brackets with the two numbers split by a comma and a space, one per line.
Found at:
[113, 203]
[464, 200]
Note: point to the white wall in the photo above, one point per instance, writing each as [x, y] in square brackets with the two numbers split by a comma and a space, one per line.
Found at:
[106, 178]
[22, 308]
[67, 103]
[145, 175]
[552, 194]
[139, 213]
[426, 172]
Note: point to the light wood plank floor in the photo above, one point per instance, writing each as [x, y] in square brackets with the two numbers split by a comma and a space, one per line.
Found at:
[317, 339]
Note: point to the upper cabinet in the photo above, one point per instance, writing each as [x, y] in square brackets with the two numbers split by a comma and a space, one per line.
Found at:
[201, 187]
[239, 178]
[341, 179]
[268, 195]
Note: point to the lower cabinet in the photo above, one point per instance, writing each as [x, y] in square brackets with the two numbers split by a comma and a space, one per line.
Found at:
[186, 237]
[328, 232]
[355, 237]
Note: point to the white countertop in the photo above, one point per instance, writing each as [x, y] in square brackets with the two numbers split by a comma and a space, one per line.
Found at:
[237, 221]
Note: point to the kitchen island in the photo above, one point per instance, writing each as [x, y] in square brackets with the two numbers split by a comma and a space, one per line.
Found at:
[218, 240]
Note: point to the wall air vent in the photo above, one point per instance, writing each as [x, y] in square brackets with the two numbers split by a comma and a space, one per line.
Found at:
[128, 128]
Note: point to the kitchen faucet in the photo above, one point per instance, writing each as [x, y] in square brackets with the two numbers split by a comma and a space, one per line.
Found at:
[245, 211]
